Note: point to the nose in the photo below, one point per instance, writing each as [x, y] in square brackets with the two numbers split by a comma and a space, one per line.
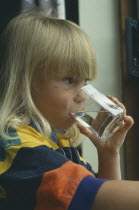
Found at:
[80, 97]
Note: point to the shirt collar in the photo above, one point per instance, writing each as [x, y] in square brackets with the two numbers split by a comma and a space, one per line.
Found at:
[53, 135]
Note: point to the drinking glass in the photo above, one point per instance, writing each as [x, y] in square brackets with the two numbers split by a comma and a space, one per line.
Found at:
[96, 112]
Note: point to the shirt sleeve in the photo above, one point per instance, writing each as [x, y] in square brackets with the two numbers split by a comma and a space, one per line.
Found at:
[70, 187]
[41, 178]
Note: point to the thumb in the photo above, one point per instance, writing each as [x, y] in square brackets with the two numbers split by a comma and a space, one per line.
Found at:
[85, 131]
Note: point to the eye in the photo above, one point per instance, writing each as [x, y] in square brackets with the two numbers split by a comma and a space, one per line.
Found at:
[68, 80]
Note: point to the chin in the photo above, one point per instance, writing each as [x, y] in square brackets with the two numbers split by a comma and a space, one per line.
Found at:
[66, 126]
[69, 125]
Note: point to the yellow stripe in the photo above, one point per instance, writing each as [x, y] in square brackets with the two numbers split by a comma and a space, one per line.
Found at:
[63, 143]
[29, 138]
[62, 140]
[81, 158]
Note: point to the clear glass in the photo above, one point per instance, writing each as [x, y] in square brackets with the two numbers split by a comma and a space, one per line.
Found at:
[96, 112]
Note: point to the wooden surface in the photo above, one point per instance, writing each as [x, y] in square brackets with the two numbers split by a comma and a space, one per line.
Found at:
[130, 96]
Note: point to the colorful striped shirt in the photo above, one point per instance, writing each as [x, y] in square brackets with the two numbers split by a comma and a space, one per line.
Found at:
[39, 174]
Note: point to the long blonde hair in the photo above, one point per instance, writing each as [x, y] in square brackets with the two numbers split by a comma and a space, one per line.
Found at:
[32, 44]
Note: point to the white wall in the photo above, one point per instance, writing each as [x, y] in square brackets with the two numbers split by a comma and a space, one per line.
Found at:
[100, 19]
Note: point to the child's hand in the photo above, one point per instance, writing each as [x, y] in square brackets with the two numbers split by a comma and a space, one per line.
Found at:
[108, 151]
[113, 144]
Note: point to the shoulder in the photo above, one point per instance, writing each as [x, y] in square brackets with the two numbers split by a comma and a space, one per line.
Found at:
[26, 142]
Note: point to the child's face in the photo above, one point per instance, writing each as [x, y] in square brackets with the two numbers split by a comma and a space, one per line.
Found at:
[53, 96]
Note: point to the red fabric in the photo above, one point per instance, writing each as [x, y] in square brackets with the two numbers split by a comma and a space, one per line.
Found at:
[58, 186]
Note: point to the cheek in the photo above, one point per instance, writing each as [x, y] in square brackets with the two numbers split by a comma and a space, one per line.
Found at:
[57, 101]
[60, 99]
[62, 103]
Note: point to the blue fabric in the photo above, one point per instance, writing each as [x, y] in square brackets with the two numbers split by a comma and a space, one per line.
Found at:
[22, 180]
[85, 194]
[53, 137]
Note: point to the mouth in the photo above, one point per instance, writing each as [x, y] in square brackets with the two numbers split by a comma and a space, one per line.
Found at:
[72, 117]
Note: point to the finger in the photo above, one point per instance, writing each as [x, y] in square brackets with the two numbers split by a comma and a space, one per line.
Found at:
[85, 131]
[128, 123]
[116, 101]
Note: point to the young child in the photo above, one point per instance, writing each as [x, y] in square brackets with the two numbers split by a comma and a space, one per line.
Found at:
[44, 61]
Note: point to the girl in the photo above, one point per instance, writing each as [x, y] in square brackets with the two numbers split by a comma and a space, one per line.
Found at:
[44, 61]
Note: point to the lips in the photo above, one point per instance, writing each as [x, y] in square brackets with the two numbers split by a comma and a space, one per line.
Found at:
[72, 117]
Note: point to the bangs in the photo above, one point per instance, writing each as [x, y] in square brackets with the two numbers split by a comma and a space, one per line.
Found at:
[71, 52]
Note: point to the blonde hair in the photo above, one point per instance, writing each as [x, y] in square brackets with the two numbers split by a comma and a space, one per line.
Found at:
[32, 44]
